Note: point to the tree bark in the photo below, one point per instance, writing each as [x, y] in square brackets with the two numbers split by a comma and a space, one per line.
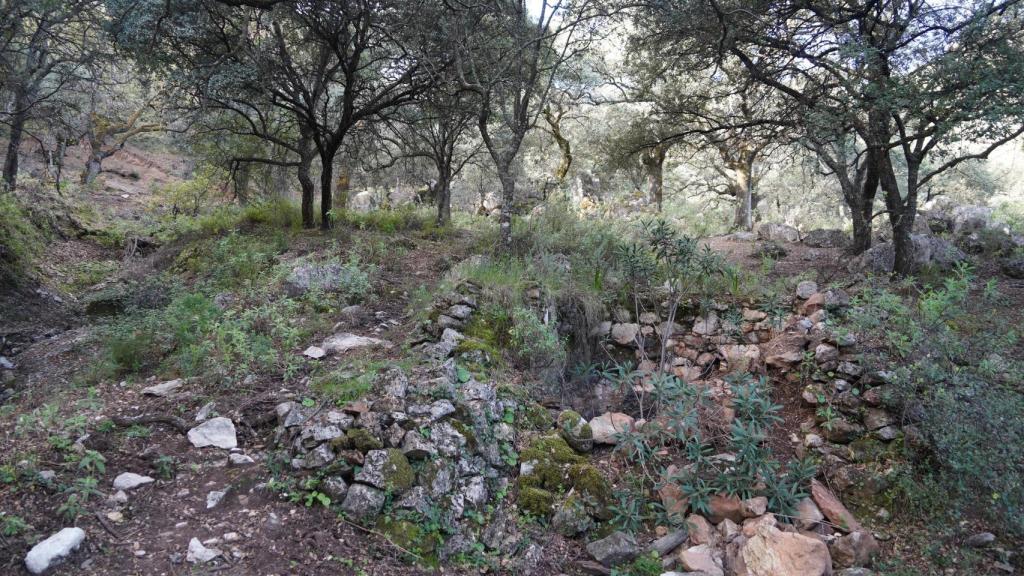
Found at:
[17, 132]
[743, 190]
[508, 195]
[653, 160]
[305, 150]
[901, 214]
[326, 189]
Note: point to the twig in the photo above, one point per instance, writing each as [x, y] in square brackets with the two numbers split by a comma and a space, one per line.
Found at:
[106, 526]
[376, 533]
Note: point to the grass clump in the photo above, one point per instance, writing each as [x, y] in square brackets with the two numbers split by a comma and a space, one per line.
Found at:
[348, 383]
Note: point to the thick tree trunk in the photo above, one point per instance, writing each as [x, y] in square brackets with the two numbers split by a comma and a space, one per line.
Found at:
[861, 201]
[93, 167]
[901, 215]
[653, 160]
[443, 194]
[344, 184]
[743, 187]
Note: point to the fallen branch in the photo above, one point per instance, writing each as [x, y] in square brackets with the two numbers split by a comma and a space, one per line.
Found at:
[173, 421]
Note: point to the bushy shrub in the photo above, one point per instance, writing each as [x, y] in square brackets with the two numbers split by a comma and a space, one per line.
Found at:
[957, 383]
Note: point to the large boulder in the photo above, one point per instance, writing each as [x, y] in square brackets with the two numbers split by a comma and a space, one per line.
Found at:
[854, 550]
[928, 251]
[327, 277]
[218, 432]
[605, 427]
[967, 219]
[778, 232]
[822, 238]
[772, 552]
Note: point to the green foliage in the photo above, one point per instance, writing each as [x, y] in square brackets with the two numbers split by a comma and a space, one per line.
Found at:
[644, 565]
[189, 197]
[20, 240]
[957, 363]
[11, 525]
[400, 219]
[347, 383]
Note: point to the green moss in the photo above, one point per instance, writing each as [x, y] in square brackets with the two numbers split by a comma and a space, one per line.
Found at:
[362, 440]
[536, 501]
[398, 473]
[467, 432]
[551, 449]
[533, 416]
[411, 536]
[588, 481]
[568, 419]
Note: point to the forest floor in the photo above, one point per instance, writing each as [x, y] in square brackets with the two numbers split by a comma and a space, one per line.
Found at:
[54, 346]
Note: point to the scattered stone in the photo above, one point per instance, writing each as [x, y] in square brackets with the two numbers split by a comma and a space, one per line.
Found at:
[54, 550]
[130, 480]
[218, 432]
[980, 540]
[754, 506]
[875, 418]
[701, 559]
[343, 342]
[772, 552]
[806, 289]
[199, 554]
[314, 352]
[416, 447]
[770, 249]
[363, 501]
[825, 353]
[706, 325]
[206, 412]
[334, 487]
[721, 507]
[163, 389]
[214, 498]
[575, 431]
[237, 459]
[854, 549]
[1014, 268]
[605, 427]
[700, 530]
[615, 549]
[842, 431]
[667, 543]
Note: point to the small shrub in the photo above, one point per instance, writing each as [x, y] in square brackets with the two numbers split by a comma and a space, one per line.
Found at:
[20, 240]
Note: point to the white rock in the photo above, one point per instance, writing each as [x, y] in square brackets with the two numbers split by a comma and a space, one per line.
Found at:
[343, 342]
[314, 352]
[163, 389]
[806, 289]
[219, 432]
[199, 554]
[214, 498]
[53, 550]
[205, 412]
[130, 480]
[240, 459]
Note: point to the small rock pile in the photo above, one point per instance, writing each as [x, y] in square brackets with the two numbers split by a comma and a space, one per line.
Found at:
[739, 538]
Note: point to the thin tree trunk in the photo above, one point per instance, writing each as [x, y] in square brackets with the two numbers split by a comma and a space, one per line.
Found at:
[443, 193]
[654, 162]
[17, 132]
[743, 187]
[508, 195]
[326, 189]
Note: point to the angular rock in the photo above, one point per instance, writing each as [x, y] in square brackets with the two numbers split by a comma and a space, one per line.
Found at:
[604, 427]
[130, 480]
[706, 325]
[615, 549]
[334, 487]
[218, 432]
[980, 540]
[214, 498]
[54, 550]
[700, 530]
[785, 350]
[199, 554]
[832, 508]
[164, 388]
[363, 502]
[416, 447]
[701, 559]
[740, 358]
[808, 515]
[387, 470]
[314, 352]
[842, 431]
[237, 459]
[776, 231]
[826, 239]
[772, 552]
[668, 542]
[721, 507]
[853, 550]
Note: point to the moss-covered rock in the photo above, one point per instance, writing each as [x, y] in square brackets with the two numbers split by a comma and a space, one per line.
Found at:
[398, 473]
[361, 439]
[466, 432]
[411, 536]
[533, 416]
[587, 481]
[536, 501]
[554, 467]
[575, 431]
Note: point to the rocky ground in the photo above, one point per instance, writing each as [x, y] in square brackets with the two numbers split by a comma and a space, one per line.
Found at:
[436, 468]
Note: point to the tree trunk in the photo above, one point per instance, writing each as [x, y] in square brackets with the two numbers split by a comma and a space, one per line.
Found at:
[653, 160]
[344, 184]
[443, 195]
[901, 215]
[17, 131]
[861, 200]
[508, 195]
[305, 150]
[326, 188]
[743, 187]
